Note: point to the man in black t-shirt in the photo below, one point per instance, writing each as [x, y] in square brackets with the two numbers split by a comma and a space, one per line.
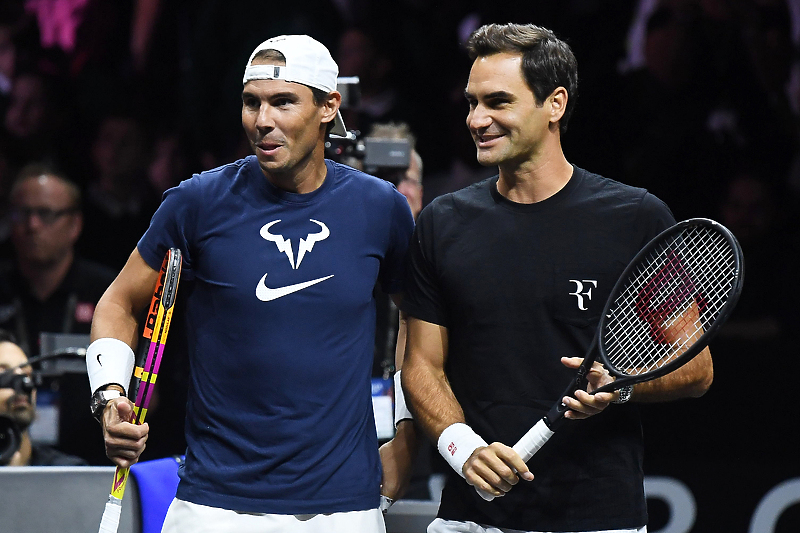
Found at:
[48, 288]
[505, 284]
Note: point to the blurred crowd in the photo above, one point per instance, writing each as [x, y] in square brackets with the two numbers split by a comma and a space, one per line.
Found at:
[116, 101]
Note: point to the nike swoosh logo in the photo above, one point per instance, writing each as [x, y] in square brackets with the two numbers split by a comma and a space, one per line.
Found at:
[98, 359]
[265, 294]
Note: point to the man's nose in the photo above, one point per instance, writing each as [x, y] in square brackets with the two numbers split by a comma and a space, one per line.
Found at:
[478, 118]
[265, 120]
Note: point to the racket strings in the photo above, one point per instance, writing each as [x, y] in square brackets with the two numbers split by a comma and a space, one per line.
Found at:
[668, 300]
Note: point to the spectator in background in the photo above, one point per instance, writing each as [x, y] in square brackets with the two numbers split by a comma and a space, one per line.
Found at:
[119, 198]
[48, 288]
[679, 138]
[8, 54]
[36, 123]
[363, 54]
[170, 160]
[18, 405]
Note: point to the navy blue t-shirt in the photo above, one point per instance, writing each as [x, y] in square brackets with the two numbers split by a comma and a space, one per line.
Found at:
[281, 325]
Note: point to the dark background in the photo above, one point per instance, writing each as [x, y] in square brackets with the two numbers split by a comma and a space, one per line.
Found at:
[706, 118]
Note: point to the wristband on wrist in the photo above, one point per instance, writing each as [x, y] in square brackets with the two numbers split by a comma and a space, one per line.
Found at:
[401, 411]
[109, 361]
[456, 444]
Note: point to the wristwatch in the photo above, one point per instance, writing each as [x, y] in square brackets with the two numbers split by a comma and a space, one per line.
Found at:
[99, 400]
[624, 394]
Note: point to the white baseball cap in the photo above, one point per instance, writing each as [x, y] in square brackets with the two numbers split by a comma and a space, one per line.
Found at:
[307, 62]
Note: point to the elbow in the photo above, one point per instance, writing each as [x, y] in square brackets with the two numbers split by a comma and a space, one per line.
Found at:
[701, 386]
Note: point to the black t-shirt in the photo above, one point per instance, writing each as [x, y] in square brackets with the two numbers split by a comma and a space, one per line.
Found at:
[42, 455]
[68, 310]
[518, 286]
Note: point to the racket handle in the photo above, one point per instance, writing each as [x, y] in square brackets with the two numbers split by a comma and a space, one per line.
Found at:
[111, 514]
[532, 441]
[526, 447]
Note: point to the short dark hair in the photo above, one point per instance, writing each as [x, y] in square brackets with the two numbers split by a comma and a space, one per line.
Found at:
[547, 61]
[318, 95]
[34, 170]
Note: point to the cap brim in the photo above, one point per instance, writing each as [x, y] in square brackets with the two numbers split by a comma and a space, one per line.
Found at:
[338, 126]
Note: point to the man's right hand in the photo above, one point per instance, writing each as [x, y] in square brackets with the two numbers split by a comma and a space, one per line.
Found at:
[495, 469]
[124, 441]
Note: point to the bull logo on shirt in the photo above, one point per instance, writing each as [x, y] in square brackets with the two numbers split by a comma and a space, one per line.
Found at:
[285, 245]
[268, 294]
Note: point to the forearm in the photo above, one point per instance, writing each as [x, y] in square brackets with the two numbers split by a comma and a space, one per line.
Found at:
[430, 398]
[116, 320]
[397, 457]
[692, 380]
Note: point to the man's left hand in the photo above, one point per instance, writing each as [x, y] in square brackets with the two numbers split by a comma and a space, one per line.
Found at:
[584, 405]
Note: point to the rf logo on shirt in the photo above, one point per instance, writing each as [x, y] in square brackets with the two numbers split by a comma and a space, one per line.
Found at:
[583, 291]
[266, 294]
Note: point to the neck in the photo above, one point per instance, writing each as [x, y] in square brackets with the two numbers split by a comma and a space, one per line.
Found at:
[45, 277]
[535, 179]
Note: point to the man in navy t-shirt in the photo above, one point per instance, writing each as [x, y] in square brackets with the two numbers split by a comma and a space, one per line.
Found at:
[284, 249]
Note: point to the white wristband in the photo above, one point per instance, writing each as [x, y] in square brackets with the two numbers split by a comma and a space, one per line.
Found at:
[109, 361]
[401, 411]
[456, 444]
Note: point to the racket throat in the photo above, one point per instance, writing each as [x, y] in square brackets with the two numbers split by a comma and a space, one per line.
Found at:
[555, 417]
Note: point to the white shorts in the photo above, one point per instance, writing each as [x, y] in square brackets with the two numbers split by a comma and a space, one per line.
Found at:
[452, 526]
[186, 517]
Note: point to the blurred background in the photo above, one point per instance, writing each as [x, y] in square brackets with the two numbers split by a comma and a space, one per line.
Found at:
[696, 100]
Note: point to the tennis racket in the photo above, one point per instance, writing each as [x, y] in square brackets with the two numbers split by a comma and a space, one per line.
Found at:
[159, 317]
[667, 305]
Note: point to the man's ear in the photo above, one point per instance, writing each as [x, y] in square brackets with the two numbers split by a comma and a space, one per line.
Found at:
[330, 106]
[558, 104]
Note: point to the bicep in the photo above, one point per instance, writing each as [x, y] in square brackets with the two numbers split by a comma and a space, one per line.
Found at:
[125, 298]
[426, 345]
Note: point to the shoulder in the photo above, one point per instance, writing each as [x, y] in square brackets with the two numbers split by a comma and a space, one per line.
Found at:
[212, 182]
[346, 176]
[464, 203]
[609, 191]
[373, 191]
[599, 187]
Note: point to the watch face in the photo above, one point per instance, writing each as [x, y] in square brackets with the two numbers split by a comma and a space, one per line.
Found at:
[100, 399]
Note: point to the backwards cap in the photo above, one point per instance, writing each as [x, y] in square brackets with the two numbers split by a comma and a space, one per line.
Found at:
[307, 62]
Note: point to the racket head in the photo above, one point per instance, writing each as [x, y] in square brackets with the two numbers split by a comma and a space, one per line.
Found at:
[156, 328]
[670, 301]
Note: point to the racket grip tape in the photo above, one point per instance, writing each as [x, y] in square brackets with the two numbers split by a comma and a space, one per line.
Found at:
[109, 523]
[530, 443]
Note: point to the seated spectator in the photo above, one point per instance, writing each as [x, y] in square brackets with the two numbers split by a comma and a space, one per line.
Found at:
[119, 199]
[47, 288]
[18, 411]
